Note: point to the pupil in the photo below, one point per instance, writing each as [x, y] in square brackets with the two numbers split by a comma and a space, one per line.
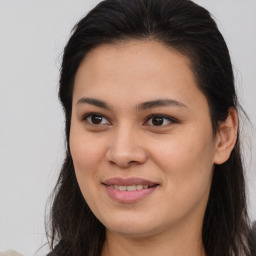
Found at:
[96, 119]
[157, 121]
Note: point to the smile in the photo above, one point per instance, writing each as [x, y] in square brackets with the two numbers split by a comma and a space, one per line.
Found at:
[129, 188]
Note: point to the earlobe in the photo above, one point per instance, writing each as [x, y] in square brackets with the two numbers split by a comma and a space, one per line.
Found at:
[226, 137]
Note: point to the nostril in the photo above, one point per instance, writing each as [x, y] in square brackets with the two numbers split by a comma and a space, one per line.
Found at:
[132, 162]
[123, 164]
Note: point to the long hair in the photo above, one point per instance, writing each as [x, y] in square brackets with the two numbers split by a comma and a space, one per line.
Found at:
[189, 29]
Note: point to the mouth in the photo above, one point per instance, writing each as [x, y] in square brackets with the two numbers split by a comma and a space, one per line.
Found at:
[127, 190]
[132, 187]
[131, 182]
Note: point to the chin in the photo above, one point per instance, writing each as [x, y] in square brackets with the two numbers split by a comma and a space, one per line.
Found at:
[134, 232]
[132, 227]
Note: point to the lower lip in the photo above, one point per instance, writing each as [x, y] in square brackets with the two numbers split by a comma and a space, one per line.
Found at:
[129, 196]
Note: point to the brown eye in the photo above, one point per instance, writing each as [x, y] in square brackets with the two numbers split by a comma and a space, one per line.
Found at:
[96, 119]
[159, 120]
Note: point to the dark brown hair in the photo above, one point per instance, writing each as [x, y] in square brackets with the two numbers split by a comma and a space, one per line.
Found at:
[190, 30]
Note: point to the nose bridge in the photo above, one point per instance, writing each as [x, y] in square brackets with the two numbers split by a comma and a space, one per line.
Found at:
[125, 146]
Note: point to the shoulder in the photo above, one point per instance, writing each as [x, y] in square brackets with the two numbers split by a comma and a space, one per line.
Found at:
[55, 253]
[252, 239]
[59, 250]
[51, 254]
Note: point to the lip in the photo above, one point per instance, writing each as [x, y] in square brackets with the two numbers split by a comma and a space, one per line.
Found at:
[128, 181]
[129, 196]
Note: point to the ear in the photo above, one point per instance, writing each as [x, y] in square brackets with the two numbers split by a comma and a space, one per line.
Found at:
[226, 137]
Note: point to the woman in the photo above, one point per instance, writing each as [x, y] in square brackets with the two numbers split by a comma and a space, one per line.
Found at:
[153, 163]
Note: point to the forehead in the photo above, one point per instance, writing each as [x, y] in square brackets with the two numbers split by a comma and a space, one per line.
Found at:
[143, 69]
[135, 56]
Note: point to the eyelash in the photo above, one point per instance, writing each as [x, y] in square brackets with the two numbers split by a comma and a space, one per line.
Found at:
[169, 119]
[85, 118]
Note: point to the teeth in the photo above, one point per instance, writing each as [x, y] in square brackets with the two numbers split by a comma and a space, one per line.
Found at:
[129, 188]
[121, 188]
[139, 187]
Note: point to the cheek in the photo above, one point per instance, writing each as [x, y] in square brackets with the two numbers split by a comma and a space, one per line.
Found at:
[187, 162]
[86, 151]
[87, 154]
[188, 173]
[192, 149]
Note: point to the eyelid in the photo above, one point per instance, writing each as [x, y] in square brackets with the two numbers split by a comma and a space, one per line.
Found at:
[85, 116]
[172, 120]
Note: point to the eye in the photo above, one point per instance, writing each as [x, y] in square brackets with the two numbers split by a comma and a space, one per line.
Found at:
[160, 120]
[96, 119]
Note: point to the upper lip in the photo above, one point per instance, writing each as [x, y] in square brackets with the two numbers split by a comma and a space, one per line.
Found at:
[128, 181]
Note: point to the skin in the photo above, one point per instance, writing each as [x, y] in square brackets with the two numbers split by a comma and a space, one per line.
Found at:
[179, 155]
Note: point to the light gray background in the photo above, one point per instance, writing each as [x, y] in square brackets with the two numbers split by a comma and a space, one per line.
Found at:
[32, 37]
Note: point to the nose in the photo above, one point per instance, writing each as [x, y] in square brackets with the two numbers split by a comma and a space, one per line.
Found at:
[126, 148]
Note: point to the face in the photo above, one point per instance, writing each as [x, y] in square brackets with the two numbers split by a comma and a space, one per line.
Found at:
[141, 138]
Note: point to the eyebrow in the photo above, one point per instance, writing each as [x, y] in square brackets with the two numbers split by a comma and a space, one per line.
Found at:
[160, 103]
[141, 106]
[94, 102]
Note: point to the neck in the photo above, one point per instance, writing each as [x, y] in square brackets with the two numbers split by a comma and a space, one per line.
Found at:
[174, 243]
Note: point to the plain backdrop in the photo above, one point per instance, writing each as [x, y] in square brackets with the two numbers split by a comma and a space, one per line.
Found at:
[32, 37]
